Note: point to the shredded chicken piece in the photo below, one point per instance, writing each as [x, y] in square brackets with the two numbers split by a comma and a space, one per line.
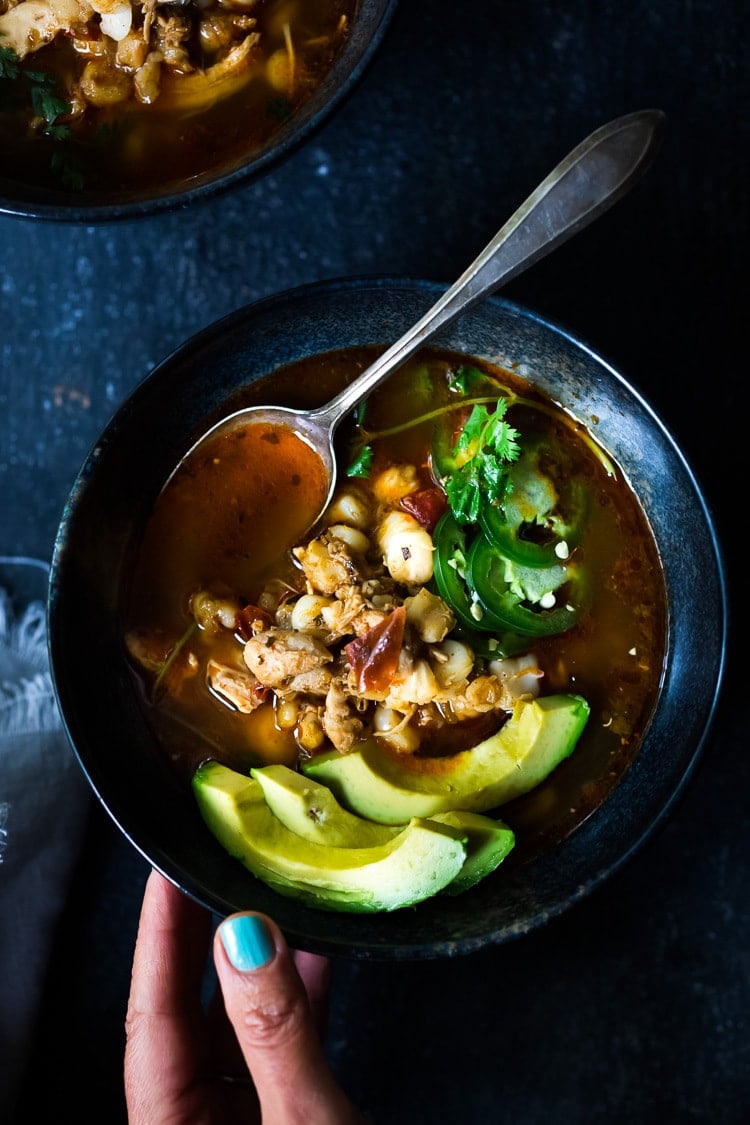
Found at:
[34, 23]
[201, 88]
[483, 694]
[314, 682]
[149, 15]
[170, 36]
[327, 564]
[351, 614]
[155, 652]
[341, 723]
[240, 689]
[288, 661]
[148, 648]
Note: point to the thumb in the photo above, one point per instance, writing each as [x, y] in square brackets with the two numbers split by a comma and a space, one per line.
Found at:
[268, 1007]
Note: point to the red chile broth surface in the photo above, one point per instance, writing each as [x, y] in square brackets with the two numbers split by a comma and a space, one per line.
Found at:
[225, 522]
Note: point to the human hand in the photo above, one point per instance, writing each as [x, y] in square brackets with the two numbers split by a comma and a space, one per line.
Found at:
[256, 1053]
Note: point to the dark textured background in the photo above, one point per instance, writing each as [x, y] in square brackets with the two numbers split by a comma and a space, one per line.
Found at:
[633, 1007]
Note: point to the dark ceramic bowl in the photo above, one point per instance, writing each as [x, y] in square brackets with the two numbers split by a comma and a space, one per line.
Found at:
[106, 512]
[25, 198]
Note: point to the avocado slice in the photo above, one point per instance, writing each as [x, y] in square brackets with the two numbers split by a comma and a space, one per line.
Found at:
[488, 842]
[383, 787]
[413, 865]
[310, 809]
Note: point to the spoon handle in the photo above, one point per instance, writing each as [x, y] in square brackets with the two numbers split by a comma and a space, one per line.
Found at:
[585, 184]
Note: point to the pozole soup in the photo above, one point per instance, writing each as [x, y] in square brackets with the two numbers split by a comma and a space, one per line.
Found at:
[481, 548]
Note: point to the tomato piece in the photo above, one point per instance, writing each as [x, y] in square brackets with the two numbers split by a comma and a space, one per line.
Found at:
[374, 655]
[246, 618]
[427, 506]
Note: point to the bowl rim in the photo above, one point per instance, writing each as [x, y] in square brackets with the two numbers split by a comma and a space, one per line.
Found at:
[337, 87]
[642, 811]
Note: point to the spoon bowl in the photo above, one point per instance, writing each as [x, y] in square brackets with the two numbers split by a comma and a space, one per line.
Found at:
[586, 183]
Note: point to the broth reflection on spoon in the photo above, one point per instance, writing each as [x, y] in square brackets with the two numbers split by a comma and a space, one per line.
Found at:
[600, 170]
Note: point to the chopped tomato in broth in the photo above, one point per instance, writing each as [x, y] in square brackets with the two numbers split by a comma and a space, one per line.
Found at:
[374, 656]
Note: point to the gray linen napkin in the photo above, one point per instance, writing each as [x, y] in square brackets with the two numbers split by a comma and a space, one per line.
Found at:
[44, 800]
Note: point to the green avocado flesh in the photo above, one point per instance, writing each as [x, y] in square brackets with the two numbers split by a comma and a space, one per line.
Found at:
[310, 809]
[488, 842]
[381, 787]
[412, 865]
[366, 832]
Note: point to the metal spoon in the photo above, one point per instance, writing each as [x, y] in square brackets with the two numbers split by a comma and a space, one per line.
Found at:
[584, 185]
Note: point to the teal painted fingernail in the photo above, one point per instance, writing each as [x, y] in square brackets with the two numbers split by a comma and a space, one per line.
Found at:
[247, 942]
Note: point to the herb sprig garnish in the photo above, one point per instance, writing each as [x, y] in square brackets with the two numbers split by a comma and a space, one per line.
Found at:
[360, 461]
[486, 446]
[35, 91]
[41, 91]
[465, 377]
[461, 380]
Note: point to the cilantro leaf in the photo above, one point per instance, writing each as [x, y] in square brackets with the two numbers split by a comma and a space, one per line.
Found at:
[464, 378]
[485, 447]
[361, 465]
[46, 105]
[57, 132]
[9, 67]
[23, 90]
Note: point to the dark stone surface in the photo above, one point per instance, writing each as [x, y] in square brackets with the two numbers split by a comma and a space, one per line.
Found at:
[633, 1007]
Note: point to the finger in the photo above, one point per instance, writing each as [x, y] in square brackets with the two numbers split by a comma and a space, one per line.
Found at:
[164, 1051]
[266, 1001]
[315, 972]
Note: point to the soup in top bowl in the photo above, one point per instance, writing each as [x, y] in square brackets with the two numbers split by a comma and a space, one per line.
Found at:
[175, 594]
[126, 100]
